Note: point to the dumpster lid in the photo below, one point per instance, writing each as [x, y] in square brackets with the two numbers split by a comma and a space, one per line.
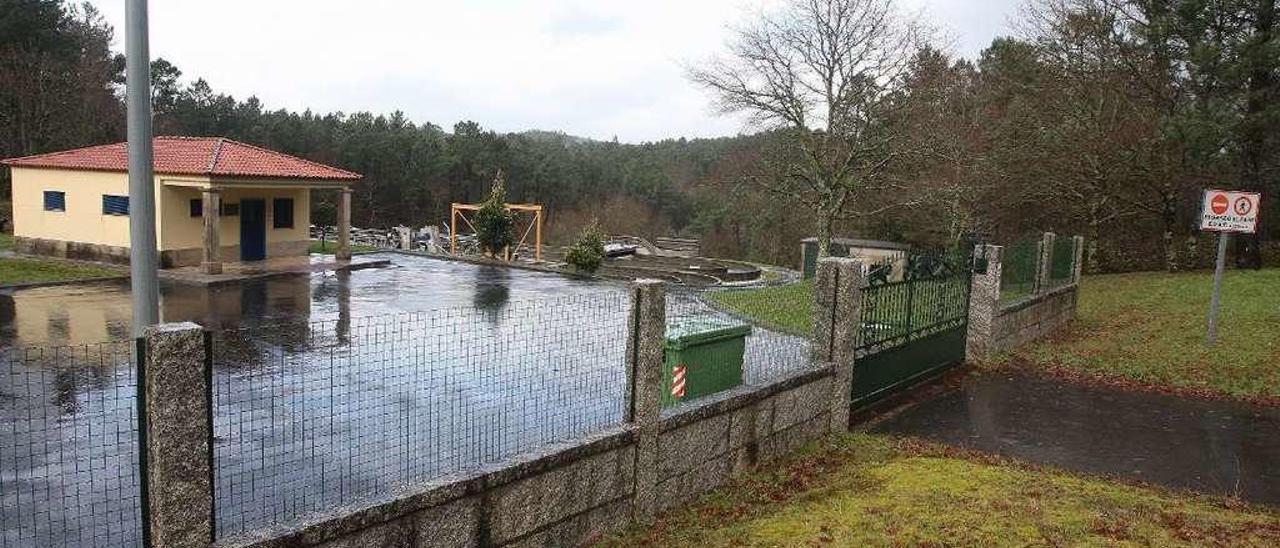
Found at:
[693, 331]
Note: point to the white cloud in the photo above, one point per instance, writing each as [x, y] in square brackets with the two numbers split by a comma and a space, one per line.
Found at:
[593, 68]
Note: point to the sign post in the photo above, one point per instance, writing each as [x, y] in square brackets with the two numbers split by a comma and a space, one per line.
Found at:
[1224, 212]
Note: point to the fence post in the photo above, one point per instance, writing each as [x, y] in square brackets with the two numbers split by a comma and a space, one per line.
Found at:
[646, 331]
[984, 302]
[837, 318]
[1044, 265]
[178, 435]
[1077, 259]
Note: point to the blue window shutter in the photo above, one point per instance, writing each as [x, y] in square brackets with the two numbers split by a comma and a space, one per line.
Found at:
[282, 213]
[55, 200]
[115, 205]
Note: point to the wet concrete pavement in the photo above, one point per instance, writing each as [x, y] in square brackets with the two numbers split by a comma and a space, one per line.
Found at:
[1222, 448]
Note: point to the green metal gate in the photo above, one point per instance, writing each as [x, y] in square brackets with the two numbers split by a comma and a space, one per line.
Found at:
[914, 314]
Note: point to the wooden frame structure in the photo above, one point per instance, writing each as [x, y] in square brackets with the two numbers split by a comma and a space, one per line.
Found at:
[458, 211]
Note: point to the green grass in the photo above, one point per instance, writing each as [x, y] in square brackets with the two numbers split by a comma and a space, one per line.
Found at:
[329, 246]
[1150, 328]
[24, 270]
[6, 241]
[785, 307]
[864, 490]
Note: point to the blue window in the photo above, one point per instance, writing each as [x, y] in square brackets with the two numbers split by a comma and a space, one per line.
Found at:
[55, 200]
[197, 207]
[282, 213]
[115, 205]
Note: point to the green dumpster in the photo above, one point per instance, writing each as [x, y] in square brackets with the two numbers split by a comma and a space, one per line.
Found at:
[702, 357]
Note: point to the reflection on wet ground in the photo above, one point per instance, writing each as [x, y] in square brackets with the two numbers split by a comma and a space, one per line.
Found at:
[1224, 448]
[93, 313]
[329, 389]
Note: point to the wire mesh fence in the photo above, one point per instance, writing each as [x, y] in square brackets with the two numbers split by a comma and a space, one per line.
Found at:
[1018, 268]
[1062, 262]
[313, 417]
[69, 446]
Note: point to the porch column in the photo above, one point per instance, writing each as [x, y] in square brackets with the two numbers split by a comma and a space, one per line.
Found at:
[211, 263]
[344, 226]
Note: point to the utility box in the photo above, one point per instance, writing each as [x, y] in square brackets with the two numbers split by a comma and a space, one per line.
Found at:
[702, 357]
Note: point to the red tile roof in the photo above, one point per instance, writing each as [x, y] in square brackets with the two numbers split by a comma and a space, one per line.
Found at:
[211, 156]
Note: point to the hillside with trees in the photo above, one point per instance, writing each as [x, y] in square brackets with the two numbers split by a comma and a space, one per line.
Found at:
[1101, 117]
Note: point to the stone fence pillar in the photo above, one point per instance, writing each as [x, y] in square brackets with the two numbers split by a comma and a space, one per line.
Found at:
[984, 302]
[1077, 261]
[646, 331]
[1044, 265]
[343, 252]
[177, 434]
[836, 320]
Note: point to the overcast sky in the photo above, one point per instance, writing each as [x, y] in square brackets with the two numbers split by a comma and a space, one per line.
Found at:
[596, 68]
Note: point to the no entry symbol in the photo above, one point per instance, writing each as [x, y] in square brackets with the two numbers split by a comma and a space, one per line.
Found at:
[1218, 204]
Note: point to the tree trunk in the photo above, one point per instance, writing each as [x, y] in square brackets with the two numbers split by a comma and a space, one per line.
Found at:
[826, 221]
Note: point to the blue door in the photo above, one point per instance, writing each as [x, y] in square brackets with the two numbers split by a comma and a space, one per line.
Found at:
[253, 230]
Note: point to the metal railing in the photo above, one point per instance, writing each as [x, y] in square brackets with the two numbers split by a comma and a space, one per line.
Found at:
[931, 297]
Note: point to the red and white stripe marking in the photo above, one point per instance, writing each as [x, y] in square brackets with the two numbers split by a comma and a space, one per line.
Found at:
[677, 382]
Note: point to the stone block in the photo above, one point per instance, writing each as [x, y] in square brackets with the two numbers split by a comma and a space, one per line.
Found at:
[684, 448]
[751, 423]
[683, 488]
[392, 534]
[582, 529]
[453, 524]
[526, 505]
[801, 403]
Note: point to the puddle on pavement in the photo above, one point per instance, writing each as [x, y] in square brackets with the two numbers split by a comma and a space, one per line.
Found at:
[1223, 448]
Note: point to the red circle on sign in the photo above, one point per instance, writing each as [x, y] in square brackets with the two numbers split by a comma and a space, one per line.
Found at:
[1218, 204]
[1243, 206]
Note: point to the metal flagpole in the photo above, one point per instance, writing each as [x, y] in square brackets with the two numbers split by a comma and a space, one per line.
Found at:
[143, 261]
[1217, 287]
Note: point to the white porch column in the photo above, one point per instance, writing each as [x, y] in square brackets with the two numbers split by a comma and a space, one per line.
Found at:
[210, 205]
[344, 226]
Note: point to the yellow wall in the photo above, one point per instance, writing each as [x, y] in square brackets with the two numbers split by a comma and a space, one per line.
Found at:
[182, 231]
[83, 220]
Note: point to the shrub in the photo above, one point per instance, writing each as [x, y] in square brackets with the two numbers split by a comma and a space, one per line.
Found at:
[587, 253]
[495, 225]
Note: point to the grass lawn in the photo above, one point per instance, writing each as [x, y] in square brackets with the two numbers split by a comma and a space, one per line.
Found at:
[864, 490]
[6, 241]
[329, 246]
[22, 270]
[1150, 328]
[786, 307]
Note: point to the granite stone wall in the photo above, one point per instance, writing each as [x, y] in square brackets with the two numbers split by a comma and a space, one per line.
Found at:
[573, 493]
[996, 326]
[1032, 319]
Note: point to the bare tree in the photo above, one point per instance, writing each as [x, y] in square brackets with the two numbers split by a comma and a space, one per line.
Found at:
[821, 73]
